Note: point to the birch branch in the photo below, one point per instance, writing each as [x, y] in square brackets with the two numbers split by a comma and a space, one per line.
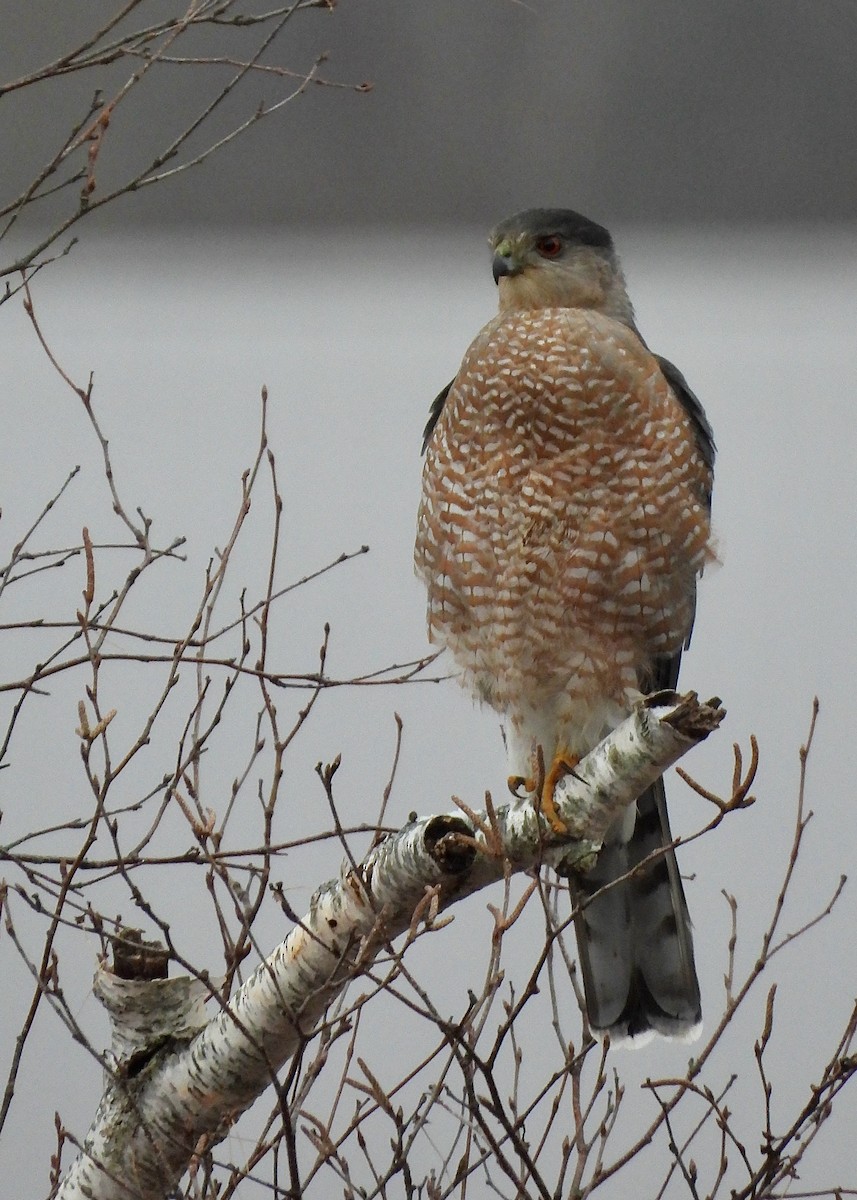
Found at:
[175, 1082]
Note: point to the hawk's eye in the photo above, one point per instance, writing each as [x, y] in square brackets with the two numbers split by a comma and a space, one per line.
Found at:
[549, 246]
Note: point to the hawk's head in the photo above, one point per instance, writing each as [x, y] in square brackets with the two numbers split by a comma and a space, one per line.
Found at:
[556, 258]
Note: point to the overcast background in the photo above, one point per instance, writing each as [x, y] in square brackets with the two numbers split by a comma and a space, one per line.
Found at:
[716, 141]
[657, 111]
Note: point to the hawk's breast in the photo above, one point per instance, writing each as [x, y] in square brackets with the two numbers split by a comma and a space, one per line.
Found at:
[563, 519]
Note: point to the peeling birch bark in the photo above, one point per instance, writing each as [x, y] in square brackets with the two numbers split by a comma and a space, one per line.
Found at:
[175, 1082]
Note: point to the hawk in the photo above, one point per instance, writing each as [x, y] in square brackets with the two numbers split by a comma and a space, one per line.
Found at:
[564, 521]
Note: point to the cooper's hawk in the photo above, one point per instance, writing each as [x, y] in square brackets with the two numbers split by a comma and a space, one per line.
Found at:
[563, 524]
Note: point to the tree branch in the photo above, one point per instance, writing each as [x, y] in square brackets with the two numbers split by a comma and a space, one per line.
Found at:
[171, 1088]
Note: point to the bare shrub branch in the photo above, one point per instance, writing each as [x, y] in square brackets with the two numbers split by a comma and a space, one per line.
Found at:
[149, 49]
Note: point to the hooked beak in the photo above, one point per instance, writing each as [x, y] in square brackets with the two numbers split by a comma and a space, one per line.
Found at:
[504, 264]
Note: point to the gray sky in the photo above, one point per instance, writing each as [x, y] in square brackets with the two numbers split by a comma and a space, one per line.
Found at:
[353, 343]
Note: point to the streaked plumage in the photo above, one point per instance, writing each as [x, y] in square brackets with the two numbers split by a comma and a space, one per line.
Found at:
[563, 524]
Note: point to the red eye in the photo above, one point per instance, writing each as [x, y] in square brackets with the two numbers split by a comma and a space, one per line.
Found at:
[549, 246]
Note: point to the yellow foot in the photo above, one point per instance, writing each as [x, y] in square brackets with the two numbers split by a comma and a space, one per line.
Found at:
[562, 765]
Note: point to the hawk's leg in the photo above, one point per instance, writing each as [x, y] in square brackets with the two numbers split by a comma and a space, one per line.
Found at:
[524, 786]
[563, 764]
[542, 783]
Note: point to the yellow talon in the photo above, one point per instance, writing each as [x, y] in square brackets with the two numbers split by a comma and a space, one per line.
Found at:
[517, 782]
[562, 765]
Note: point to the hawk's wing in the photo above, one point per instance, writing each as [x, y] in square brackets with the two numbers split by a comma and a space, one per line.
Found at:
[665, 672]
[434, 413]
[690, 403]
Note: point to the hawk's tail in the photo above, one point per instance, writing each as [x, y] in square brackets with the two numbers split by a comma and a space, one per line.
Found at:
[634, 941]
